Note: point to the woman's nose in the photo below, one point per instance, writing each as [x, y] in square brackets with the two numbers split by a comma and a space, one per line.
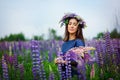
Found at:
[72, 25]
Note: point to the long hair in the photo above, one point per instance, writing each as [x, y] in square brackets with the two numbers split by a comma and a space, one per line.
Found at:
[79, 33]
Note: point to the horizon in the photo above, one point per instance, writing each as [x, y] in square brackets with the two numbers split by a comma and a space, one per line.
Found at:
[35, 18]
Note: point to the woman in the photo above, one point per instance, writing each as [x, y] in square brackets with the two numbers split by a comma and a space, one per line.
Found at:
[73, 36]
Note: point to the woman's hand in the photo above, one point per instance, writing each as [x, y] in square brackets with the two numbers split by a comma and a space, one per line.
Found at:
[59, 60]
[79, 50]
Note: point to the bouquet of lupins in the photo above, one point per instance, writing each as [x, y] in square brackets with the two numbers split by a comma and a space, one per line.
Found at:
[80, 55]
[76, 53]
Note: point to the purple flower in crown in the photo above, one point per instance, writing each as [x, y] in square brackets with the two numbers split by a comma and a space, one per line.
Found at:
[67, 16]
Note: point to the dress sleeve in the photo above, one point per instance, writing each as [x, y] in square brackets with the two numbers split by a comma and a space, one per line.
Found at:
[79, 43]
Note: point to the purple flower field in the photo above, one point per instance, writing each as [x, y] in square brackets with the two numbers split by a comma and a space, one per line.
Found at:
[34, 60]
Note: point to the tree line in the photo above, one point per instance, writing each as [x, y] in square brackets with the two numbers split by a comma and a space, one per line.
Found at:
[21, 37]
[52, 35]
[113, 34]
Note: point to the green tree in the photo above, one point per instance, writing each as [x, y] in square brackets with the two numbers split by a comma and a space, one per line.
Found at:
[41, 37]
[99, 35]
[53, 35]
[115, 34]
[14, 37]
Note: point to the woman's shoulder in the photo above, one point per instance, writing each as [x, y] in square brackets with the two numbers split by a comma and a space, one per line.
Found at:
[79, 42]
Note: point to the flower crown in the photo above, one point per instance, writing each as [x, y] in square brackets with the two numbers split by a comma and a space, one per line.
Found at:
[66, 17]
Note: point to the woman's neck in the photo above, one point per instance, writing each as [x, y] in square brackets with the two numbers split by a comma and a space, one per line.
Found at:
[72, 36]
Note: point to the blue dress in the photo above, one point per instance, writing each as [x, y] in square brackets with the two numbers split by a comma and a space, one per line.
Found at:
[68, 45]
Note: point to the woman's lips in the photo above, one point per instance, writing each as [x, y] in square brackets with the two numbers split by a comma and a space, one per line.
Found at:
[71, 29]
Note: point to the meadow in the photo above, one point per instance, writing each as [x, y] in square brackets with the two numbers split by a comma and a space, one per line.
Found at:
[34, 60]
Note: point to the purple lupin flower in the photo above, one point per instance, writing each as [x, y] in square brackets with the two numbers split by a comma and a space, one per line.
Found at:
[100, 58]
[14, 48]
[10, 60]
[76, 55]
[116, 59]
[4, 46]
[51, 75]
[21, 69]
[50, 55]
[6, 57]
[20, 47]
[108, 44]
[65, 18]
[102, 47]
[5, 69]
[115, 45]
[36, 60]
[96, 57]
[99, 54]
[15, 61]
[81, 56]
[108, 49]
[116, 50]
[81, 68]
[88, 59]
[0, 66]
[37, 69]
[43, 77]
[62, 73]
[68, 66]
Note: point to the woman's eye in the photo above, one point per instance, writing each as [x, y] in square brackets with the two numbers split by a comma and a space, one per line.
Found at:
[72, 24]
[75, 24]
[69, 23]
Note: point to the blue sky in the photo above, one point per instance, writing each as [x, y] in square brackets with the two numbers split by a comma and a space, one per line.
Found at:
[35, 17]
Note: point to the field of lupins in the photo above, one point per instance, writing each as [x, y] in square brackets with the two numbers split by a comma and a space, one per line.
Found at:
[34, 60]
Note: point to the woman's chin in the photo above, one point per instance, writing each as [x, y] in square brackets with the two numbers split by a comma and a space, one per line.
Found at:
[72, 32]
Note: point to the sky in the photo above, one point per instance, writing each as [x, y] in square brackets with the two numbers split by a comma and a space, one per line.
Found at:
[36, 17]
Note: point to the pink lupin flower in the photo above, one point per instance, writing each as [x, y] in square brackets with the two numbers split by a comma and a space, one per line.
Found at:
[110, 79]
[92, 73]
[81, 50]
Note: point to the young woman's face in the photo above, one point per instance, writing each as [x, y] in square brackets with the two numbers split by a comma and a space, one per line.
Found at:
[72, 26]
